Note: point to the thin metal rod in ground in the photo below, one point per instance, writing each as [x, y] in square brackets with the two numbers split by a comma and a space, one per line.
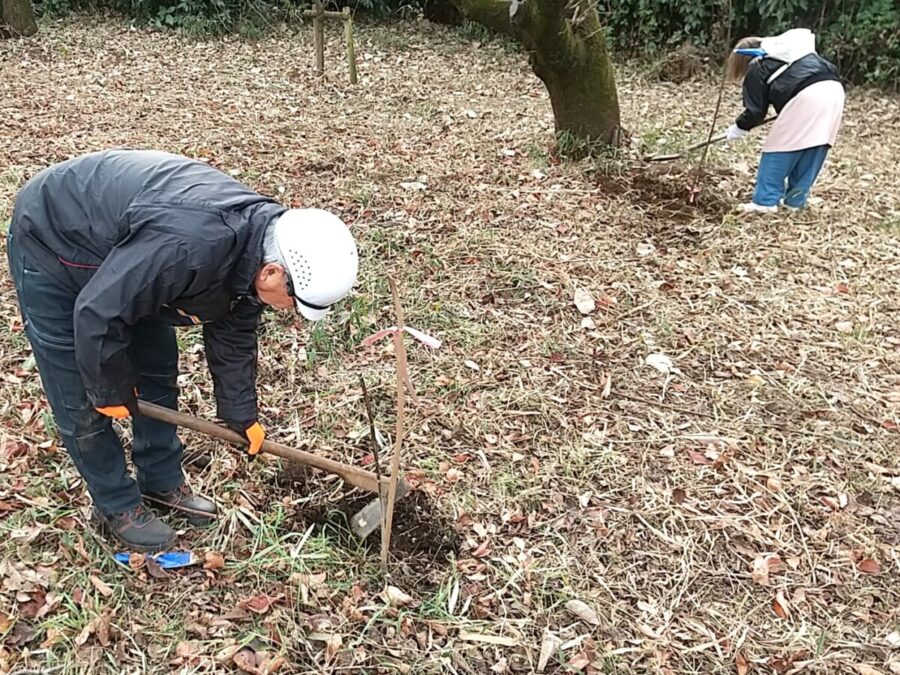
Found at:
[402, 378]
[695, 188]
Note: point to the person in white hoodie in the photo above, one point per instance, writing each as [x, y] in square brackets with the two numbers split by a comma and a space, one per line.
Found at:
[786, 72]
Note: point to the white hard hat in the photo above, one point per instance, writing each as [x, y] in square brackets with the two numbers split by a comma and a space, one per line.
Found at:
[321, 258]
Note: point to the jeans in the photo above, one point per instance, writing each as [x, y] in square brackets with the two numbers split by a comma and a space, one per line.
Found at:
[88, 436]
[798, 168]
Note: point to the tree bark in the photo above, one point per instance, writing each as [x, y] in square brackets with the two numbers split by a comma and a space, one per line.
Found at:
[567, 50]
[442, 11]
[17, 18]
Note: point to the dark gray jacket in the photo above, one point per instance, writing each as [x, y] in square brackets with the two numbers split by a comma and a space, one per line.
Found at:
[141, 234]
[759, 93]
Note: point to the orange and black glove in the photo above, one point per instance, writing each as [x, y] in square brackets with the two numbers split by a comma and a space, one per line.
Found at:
[253, 432]
[120, 412]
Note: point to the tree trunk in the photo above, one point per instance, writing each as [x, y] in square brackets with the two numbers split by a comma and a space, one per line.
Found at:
[569, 54]
[442, 11]
[567, 49]
[17, 18]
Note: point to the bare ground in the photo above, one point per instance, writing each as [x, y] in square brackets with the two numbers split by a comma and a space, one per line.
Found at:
[739, 514]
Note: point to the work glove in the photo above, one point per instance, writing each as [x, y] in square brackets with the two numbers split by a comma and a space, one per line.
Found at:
[253, 432]
[734, 132]
[120, 412]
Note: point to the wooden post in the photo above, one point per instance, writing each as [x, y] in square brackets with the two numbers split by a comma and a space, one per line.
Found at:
[351, 49]
[319, 28]
[402, 377]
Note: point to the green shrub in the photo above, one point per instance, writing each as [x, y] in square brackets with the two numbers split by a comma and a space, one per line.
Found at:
[862, 37]
[864, 42]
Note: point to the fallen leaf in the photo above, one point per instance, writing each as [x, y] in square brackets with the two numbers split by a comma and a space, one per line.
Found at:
[154, 569]
[397, 598]
[864, 669]
[25, 535]
[698, 458]
[831, 503]
[584, 301]
[333, 645]
[549, 646]
[51, 600]
[893, 639]
[583, 611]
[661, 362]
[764, 565]
[741, 663]
[213, 560]
[86, 632]
[453, 475]
[30, 605]
[482, 549]
[579, 662]
[780, 606]
[773, 484]
[102, 629]
[246, 660]
[187, 650]
[224, 655]
[98, 583]
[273, 666]
[258, 604]
[645, 249]
[844, 327]
[869, 566]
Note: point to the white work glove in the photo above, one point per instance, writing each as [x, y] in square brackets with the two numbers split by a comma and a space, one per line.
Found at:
[734, 132]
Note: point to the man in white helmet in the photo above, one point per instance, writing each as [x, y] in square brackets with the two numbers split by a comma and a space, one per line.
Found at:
[108, 252]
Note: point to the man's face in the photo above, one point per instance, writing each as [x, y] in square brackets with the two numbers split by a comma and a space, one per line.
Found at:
[271, 286]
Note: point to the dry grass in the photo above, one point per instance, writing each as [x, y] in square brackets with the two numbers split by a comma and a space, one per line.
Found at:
[568, 467]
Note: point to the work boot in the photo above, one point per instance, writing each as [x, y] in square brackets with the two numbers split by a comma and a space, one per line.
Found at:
[138, 529]
[197, 510]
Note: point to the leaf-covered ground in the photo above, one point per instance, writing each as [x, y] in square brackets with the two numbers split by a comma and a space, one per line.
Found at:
[576, 509]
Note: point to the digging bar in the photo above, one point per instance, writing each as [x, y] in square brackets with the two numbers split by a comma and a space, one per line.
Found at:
[679, 155]
[364, 522]
[688, 150]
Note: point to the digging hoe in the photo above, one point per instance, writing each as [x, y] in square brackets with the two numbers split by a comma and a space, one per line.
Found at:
[364, 522]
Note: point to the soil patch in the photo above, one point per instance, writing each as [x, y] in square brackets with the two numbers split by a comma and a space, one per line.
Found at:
[421, 533]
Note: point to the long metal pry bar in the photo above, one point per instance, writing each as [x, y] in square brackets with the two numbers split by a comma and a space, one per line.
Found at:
[363, 523]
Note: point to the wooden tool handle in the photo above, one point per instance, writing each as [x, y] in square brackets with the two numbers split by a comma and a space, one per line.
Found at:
[360, 478]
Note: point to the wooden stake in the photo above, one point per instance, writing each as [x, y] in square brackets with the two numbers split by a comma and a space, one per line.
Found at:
[319, 31]
[400, 353]
[376, 451]
[351, 49]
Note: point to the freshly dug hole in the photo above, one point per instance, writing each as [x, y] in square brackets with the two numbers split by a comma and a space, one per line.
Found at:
[422, 536]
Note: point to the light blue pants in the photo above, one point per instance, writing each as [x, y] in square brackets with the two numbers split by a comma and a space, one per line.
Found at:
[788, 176]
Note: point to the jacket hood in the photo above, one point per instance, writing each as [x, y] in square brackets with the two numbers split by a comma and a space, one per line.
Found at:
[791, 45]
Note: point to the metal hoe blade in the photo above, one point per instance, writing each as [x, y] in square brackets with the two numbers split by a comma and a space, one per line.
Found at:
[369, 518]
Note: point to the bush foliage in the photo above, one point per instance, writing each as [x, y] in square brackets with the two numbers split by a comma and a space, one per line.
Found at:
[861, 36]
